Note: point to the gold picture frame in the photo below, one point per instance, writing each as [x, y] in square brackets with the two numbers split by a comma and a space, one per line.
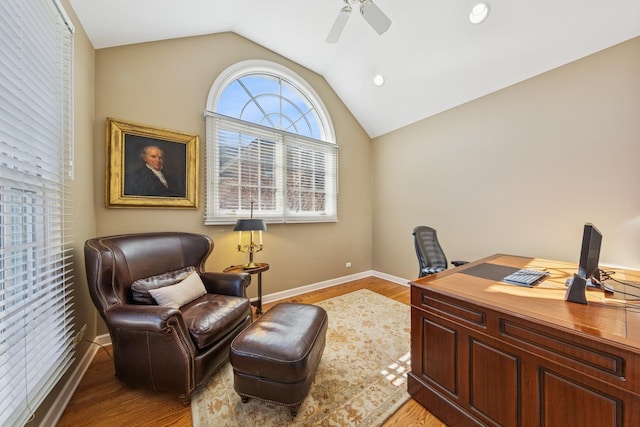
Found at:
[150, 167]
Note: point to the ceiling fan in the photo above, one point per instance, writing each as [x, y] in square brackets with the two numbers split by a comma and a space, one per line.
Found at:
[370, 12]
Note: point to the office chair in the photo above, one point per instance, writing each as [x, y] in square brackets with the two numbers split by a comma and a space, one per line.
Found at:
[431, 257]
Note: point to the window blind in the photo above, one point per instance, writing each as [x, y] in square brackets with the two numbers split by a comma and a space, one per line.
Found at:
[36, 315]
[289, 177]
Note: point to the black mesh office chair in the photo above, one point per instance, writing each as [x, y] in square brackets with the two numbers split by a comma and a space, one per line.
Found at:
[430, 255]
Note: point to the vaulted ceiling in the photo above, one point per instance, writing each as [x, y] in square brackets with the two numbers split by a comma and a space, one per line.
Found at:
[431, 57]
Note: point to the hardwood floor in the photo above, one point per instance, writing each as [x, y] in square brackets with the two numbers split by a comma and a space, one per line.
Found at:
[101, 399]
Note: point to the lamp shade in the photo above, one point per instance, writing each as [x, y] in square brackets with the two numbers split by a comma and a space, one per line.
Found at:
[250, 225]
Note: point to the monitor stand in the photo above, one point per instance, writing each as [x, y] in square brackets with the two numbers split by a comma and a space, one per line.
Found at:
[577, 290]
[594, 284]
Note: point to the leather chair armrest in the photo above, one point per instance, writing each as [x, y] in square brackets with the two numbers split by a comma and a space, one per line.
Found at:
[234, 284]
[149, 318]
[146, 340]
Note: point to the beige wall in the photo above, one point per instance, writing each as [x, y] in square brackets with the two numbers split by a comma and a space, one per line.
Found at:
[568, 140]
[166, 84]
[84, 225]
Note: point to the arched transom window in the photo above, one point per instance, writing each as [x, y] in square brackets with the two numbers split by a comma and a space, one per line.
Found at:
[270, 145]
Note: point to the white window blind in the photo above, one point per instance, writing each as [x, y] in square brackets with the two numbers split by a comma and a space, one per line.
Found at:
[36, 316]
[288, 177]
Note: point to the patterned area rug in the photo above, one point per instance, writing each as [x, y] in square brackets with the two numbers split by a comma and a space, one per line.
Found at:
[361, 379]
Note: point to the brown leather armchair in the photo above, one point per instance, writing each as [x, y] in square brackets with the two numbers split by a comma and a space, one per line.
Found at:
[154, 346]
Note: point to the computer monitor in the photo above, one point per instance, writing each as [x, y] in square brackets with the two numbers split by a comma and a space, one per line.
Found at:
[588, 273]
[590, 255]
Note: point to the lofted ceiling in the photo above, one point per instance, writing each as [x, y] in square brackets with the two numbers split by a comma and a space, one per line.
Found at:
[431, 57]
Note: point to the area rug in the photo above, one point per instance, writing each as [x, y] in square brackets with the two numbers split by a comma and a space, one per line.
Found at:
[361, 379]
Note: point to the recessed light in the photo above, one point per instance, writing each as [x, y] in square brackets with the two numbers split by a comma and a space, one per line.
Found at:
[378, 80]
[479, 12]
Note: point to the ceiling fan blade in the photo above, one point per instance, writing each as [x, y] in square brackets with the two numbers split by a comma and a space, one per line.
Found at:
[339, 24]
[374, 16]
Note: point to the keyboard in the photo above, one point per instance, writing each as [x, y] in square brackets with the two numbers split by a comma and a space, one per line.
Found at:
[526, 277]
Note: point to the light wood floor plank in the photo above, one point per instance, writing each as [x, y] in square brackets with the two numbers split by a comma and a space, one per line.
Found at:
[101, 399]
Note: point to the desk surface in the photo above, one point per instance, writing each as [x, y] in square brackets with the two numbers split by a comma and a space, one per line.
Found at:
[607, 317]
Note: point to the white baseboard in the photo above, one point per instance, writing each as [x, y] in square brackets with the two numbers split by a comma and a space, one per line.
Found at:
[314, 287]
[103, 340]
[333, 282]
[56, 410]
[390, 278]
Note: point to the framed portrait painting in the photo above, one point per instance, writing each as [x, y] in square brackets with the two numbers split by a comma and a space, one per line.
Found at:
[150, 167]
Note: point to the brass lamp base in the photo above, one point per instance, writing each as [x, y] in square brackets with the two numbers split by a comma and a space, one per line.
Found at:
[250, 266]
[252, 249]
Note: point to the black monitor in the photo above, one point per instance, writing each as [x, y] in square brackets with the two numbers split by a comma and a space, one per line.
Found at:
[588, 273]
[590, 254]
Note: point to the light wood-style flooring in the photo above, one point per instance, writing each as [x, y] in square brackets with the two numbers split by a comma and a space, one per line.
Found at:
[102, 400]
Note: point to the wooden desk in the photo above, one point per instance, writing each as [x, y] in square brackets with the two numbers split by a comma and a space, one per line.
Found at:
[484, 352]
[261, 266]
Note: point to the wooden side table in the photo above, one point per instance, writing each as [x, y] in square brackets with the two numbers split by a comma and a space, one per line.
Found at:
[261, 266]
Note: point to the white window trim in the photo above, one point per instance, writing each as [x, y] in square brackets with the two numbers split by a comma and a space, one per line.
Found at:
[225, 78]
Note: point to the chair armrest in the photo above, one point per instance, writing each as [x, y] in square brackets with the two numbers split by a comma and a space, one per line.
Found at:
[149, 318]
[146, 340]
[234, 284]
[458, 263]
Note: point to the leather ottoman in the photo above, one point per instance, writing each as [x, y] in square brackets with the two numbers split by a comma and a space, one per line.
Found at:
[275, 358]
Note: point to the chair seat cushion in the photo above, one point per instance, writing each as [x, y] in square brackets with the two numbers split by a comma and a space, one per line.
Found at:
[210, 317]
[432, 270]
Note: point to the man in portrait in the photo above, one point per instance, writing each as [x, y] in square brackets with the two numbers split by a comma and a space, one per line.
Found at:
[151, 178]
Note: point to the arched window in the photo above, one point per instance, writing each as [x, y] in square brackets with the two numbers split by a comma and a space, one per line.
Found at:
[270, 145]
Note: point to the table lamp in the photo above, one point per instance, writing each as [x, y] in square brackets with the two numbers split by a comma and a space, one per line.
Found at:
[251, 225]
